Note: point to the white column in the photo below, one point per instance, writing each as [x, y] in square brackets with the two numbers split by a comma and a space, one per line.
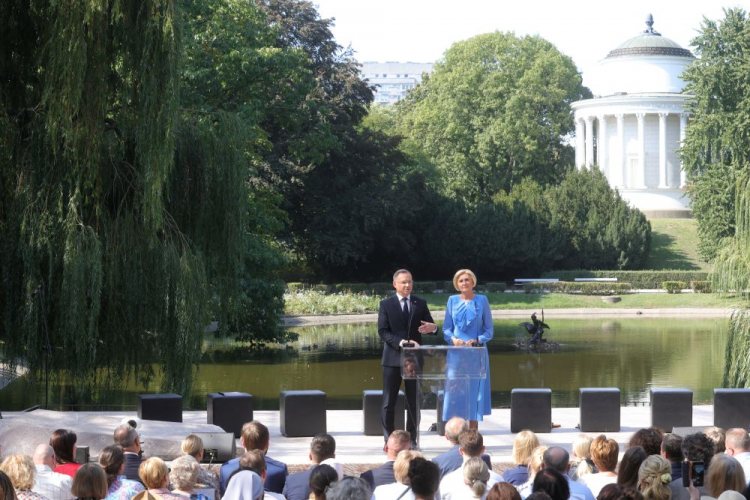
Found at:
[579, 143]
[663, 150]
[683, 126]
[602, 144]
[641, 183]
[589, 141]
[620, 163]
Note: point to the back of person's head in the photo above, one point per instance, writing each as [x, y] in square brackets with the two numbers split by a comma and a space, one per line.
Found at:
[717, 435]
[536, 462]
[697, 447]
[243, 483]
[738, 440]
[111, 459]
[523, 445]
[90, 481]
[604, 453]
[183, 473]
[321, 479]
[476, 476]
[671, 447]
[471, 443]
[654, 476]
[398, 441]
[648, 439]
[63, 442]
[7, 492]
[725, 474]
[538, 495]
[556, 458]
[610, 492]
[552, 483]
[192, 445]
[21, 471]
[454, 427]
[254, 460]
[349, 488]
[125, 435]
[627, 472]
[322, 446]
[401, 465]
[631, 494]
[503, 491]
[424, 478]
[582, 446]
[255, 436]
[153, 472]
[44, 455]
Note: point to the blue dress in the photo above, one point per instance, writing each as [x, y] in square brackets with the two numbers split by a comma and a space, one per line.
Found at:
[468, 320]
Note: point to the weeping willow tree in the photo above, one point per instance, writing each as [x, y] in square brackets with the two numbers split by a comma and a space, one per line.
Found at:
[125, 218]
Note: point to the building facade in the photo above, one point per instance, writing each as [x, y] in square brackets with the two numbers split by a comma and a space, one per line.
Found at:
[636, 122]
[392, 80]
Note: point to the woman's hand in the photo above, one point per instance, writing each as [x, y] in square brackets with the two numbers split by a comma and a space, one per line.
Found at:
[458, 342]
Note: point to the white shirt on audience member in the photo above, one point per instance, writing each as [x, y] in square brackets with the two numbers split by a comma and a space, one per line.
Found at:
[453, 487]
[51, 484]
[597, 481]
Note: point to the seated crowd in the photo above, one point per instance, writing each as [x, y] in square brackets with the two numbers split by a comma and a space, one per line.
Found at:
[651, 468]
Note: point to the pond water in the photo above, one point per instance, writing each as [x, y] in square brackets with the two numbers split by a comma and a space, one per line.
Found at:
[344, 360]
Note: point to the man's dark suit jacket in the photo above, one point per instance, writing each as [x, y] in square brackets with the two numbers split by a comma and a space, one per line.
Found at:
[452, 460]
[392, 327]
[276, 474]
[132, 462]
[297, 485]
[379, 475]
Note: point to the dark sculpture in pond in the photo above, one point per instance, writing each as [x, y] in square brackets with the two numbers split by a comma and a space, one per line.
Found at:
[535, 328]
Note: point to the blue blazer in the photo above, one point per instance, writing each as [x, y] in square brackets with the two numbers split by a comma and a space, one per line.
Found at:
[452, 460]
[297, 485]
[379, 475]
[276, 474]
[132, 462]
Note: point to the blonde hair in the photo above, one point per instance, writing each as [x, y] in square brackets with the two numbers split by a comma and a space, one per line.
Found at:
[604, 453]
[401, 465]
[21, 471]
[523, 446]
[654, 476]
[717, 435]
[536, 461]
[184, 472]
[476, 476]
[725, 474]
[192, 445]
[153, 472]
[90, 481]
[582, 450]
[460, 273]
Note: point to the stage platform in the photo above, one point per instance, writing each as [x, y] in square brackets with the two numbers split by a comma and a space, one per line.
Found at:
[352, 446]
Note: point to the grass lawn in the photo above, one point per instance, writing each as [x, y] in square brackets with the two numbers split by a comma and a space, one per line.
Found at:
[674, 245]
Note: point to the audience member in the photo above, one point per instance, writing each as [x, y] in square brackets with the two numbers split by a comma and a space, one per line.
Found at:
[737, 444]
[47, 482]
[112, 460]
[90, 482]
[7, 492]
[424, 478]
[452, 459]
[401, 474]
[604, 453]
[193, 446]
[538, 495]
[557, 458]
[471, 445]
[627, 472]
[245, 485]
[648, 439]
[631, 494]
[183, 476]
[155, 476]
[130, 441]
[21, 471]
[582, 463]
[610, 492]
[695, 448]
[523, 446]
[63, 442]
[552, 483]
[654, 478]
[350, 488]
[503, 491]
[725, 474]
[321, 478]
[397, 442]
[476, 476]
[255, 461]
[255, 436]
[672, 451]
[335, 465]
[297, 485]
[536, 463]
[717, 435]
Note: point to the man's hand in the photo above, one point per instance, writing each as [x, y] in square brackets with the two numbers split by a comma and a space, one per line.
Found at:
[426, 327]
[401, 344]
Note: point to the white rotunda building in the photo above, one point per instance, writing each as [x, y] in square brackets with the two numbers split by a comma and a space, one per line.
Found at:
[636, 121]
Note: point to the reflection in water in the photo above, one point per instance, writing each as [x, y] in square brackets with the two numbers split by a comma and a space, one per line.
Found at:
[344, 360]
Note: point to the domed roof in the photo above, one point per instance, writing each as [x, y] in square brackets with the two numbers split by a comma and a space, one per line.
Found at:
[650, 43]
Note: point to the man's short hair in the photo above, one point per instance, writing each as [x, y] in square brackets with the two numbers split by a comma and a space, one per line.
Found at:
[738, 439]
[400, 271]
[125, 435]
[349, 488]
[454, 427]
[604, 453]
[471, 443]
[649, 439]
[556, 458]
[697, 447]
[718, 436]
[255, 436]
[671, 446]
[254, 460]
[424, 477]
[322, 447]
[399, 440]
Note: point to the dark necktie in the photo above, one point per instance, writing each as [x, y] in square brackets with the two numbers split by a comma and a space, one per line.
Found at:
[405, 310]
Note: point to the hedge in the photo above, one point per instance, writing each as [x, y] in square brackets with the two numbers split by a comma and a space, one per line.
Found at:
[494, 286]
[638, 279]
[425, 286]
[674, 286]
[297, 287]
[583, 288]
[701, 286]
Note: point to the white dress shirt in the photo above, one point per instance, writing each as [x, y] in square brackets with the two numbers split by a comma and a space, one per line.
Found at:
[51, 484]
[744, 460]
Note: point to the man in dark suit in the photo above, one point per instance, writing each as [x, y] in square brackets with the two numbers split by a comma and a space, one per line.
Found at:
[255, 436]
[452, 459]
[399, 441]
[297, 487]
[127, 437]
[402, 318]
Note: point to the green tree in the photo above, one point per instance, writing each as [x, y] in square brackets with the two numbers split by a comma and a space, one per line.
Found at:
[495, 110]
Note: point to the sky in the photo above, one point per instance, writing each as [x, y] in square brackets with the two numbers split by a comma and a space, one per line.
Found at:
[585, 30]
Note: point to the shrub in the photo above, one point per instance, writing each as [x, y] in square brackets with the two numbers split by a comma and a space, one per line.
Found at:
[639, 279]
[425, 286]
[350, 288]
[674, 286]
[296, 287]
[320, 288]
[701, 286]
[379, 288]
[583, 288]
[448, 287]
[495, 287]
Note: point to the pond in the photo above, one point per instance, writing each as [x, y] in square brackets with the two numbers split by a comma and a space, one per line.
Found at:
[344, 360]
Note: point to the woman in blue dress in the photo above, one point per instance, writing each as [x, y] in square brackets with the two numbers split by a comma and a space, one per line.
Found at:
[468, 321]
